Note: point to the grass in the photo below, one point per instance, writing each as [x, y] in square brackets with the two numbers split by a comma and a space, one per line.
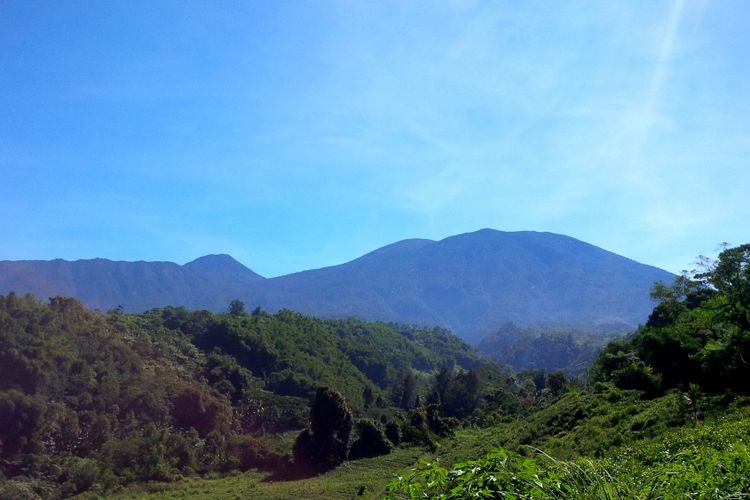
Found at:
[369, 476]
[615, 447]
[709, 460]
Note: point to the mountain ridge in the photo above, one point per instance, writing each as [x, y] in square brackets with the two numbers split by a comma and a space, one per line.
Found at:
[470, 283]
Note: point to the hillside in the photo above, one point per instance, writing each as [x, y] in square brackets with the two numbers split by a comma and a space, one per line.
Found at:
[208, 282]
[91, 402]
[569, 350]
[471, 284]
[90, 399]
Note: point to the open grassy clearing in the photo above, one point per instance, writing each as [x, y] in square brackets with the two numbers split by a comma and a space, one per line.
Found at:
[370, 475]
[346, 481]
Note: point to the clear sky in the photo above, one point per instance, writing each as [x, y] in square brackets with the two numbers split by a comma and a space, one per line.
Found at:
[295, 135]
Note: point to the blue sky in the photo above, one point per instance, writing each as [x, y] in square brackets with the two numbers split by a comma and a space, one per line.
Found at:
[295, 135]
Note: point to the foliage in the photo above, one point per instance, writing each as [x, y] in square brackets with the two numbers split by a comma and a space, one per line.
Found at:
[371, 442]
[456, 393]
[393, 433]
[697, 462]
[91, 401]
[327, 441]
[237, 308]
[698, 334]
[524, 348]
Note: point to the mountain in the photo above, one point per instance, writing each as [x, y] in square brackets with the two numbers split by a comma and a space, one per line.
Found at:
[473, 283]
[208, 282]
[470, 283]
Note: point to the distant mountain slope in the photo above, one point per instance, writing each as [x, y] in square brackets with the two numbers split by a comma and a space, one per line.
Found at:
[471, 283]
[208, 282]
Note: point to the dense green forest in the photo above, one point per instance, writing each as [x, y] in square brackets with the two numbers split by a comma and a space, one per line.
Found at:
[570, 350]
[91, 401]
[95, 403]
[664, 413]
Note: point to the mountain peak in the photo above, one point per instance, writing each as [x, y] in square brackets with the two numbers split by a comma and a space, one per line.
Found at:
[213, 259]
[220, 264]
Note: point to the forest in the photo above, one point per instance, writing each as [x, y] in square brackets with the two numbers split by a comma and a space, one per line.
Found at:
[108, 403]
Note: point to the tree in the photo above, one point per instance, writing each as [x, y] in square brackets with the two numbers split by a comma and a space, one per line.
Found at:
[441, 384]
[194, 408]
[393, 433]
[731, 277]
[556, 382]
[368, 396]
[408, 391]
[237, 308]
[327, 441]
[372, 441]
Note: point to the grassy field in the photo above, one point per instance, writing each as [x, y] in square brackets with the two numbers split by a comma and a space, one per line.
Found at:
[366, 478]
[570, 428]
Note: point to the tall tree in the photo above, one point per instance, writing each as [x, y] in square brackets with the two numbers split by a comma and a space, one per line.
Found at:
[237, 308]
[327, 441]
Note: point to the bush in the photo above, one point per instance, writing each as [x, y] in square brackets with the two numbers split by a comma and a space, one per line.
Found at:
[417, 430]
[393, 433]
[139, 458]
[17, 490]
[194, 408]
[20, 419]
[326, 443]
[249, 453]
[442, 426]
[80, 475]
[372, 441]
[304, 448]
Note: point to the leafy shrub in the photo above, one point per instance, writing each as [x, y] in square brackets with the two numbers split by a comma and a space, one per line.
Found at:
[416, 429]
[250, 453]
[689, 462]
[80, 474]
[496, 475]
[372, 441]
[196, 409]
[326, 443]
[17, 490]
[139, 457]
[393, 433]
[442, 426]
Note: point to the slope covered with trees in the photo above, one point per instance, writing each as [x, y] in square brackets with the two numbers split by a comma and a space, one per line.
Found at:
[571, 350]
[663, 413]
[90, 401]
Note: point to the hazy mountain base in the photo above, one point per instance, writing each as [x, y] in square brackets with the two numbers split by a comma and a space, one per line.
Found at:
[549, 348]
